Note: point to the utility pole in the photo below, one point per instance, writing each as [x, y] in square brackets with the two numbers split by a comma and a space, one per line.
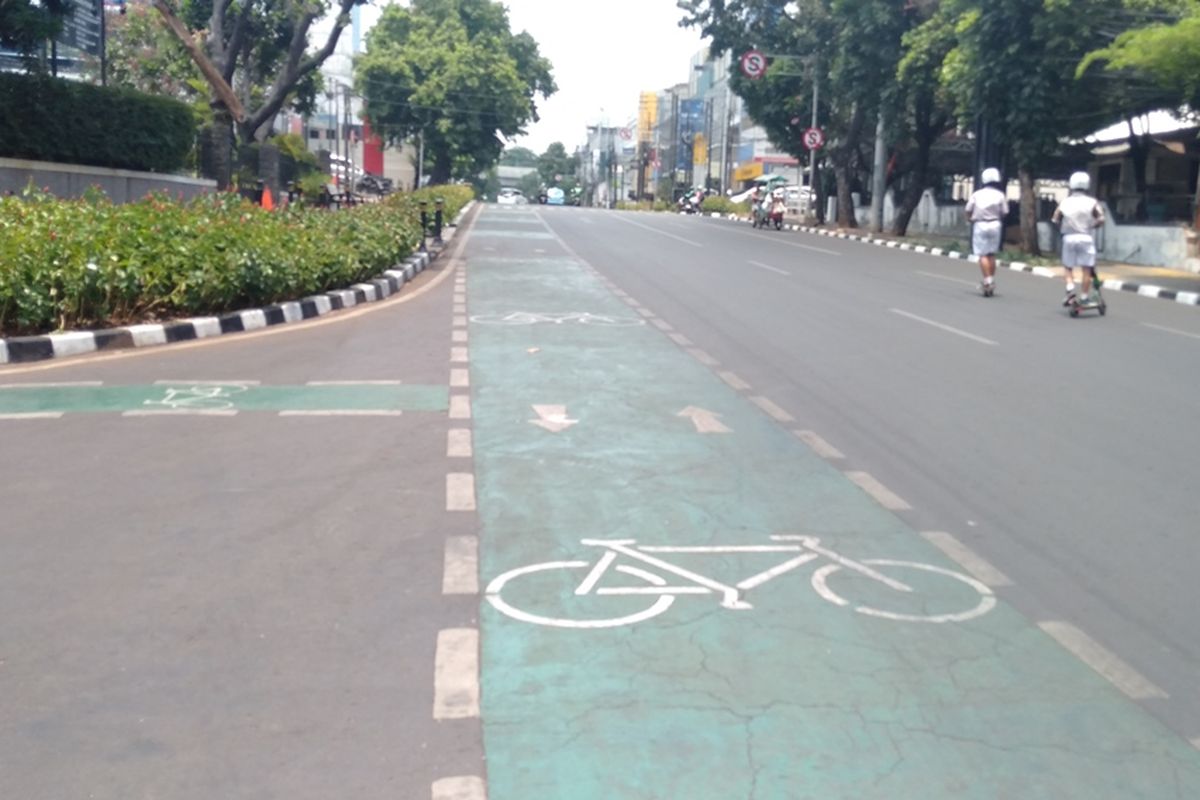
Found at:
[878, 176]
[812, 154]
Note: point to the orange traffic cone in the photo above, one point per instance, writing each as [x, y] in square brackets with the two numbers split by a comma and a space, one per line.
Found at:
[267, 202]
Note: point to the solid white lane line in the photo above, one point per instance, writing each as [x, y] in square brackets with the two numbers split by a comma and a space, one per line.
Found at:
[458, 335]
[1102, 660]
[180, 412]
[207, 383]
[458, 355]
[688, 242]
[736, 383]
[883, 495]
[460, 491]
[1172, 330]
[946, 328]
[342, 412]
[459, 321]
[775, 411]
[703, 357]
[460, 406]
[458, 443]
[460, 378]
[819, 446]
[967, 558]
[50, 384]
[460, 573]
[665, 327]
[33, 415]
[355, 383]
[461, 787]
[768, 266]
[681, 340]
[456, 674]
[947, 278]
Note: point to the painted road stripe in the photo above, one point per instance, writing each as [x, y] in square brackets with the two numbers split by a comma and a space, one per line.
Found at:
[355, 383]
[180, 412]
[207, 383]
[460, 572]
[775, 411]
[459, 321]
[1195, 742]
[645, 312]
[967, 558]
[456, 674]
[819, 446]
[1105, 662]
[50, 385]
[688, 242]
[681, 340]
[946, 328]
[947, 278]
[772, 269]
[458, 336]
[462, 787]
[460, 406]
[665, 327]
[458, 443]
[458, 355]
[459, 308]
[33, 415]
[460, 491]
[883, 495]
[342, 412]
[703, 357]
[734, 381]
[1171, 330]
[460, 378]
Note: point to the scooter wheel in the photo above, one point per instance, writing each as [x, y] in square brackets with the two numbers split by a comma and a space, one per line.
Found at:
[1103, 309]
[1074, 311]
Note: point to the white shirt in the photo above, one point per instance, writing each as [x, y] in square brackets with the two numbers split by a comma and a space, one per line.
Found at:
[987, 205]
[1079, 213]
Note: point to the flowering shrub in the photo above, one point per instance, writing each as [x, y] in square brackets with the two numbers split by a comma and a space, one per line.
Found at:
[90, 263]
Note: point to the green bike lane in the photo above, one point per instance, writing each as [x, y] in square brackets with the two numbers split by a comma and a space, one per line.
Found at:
[794, 697]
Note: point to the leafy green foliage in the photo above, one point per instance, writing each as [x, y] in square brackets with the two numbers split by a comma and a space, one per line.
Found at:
[81, 263]
[143, 55]
[556, 168]
[25, 25]
[48, 119]
[1167, 54]
[452, 71]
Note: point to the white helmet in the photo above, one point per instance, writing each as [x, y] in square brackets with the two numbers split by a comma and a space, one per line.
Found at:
[990, 175]
[1080, 181]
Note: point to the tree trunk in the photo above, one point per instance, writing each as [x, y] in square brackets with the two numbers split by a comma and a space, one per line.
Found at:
[1139, 154]
[1029, 237]
[908, 205]
[441, 172]
[845, 203]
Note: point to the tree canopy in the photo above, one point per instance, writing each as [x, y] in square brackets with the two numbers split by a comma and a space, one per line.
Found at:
[453, 73]
[25, 25]
[1167, 54]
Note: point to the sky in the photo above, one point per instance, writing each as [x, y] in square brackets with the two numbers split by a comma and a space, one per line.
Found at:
[604, 53]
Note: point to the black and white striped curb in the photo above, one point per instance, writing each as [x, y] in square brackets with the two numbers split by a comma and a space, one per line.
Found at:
[1142, 289]
[20, 349]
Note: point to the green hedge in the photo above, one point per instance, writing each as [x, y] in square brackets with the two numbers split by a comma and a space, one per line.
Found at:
[47, 119]
[68, 264]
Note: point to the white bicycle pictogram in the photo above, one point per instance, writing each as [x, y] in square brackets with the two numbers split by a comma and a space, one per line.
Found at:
[801, 551]
[218, 396]
[557, 318]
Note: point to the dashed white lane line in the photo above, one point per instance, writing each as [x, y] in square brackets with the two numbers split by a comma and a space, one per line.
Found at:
[681, 340]
[460, 308]
[769, 267]
[459, 355]
[456, 674]
[703, 357]
[460, 321]
[50, 385]
[459, 336]
[645, 312]
[736, 383]
[663, 326]
[776, 413]
[946, 328]
[180, 412]
[688, 242]
[947, 278]
[883, 495]
[342, 412]
[819, 446]
[967, 558]
[207, 383]
[33, 415]
[1195, 742]
[355, 383]
[458, 443]
[460, 406]
[460, 571]
[460, 378]
[1102, 660]
[460, 491]
[461, 787]
[1171, 330]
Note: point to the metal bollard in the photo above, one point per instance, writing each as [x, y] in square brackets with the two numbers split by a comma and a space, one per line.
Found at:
[424, 223]
[437, 221]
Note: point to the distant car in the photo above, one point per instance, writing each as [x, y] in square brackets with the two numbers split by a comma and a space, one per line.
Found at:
[511, 197]
[555, 196]
[374, 184]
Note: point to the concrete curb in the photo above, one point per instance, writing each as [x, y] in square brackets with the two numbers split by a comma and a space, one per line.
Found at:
[24, 349]
[1142, 289]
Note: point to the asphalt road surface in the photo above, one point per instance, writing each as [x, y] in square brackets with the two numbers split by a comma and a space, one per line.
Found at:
[616, 505]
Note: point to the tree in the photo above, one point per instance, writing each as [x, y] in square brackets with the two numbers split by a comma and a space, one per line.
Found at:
[518, 157]
[26, 25]
[452, 73]
[143, 55]
[1165, 53]
[556, 168]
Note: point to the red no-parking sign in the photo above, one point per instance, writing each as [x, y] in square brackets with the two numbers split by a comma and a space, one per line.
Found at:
[814, 138]
[754, 64]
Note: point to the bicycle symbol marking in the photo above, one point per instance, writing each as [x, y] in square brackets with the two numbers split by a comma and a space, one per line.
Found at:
[557, 318]
[219, 396]
[800, 549]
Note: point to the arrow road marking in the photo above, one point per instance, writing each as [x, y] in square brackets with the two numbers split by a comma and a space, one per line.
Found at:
[705, 421]
[552, 418]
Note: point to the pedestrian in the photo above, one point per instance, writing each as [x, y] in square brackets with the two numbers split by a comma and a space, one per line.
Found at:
[1077, 217]
[986, 211]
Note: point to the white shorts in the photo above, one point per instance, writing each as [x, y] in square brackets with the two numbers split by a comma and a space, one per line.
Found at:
[1078, 250]
[986, 236]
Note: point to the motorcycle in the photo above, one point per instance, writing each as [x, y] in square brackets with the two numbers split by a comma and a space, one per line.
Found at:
[769, 213]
